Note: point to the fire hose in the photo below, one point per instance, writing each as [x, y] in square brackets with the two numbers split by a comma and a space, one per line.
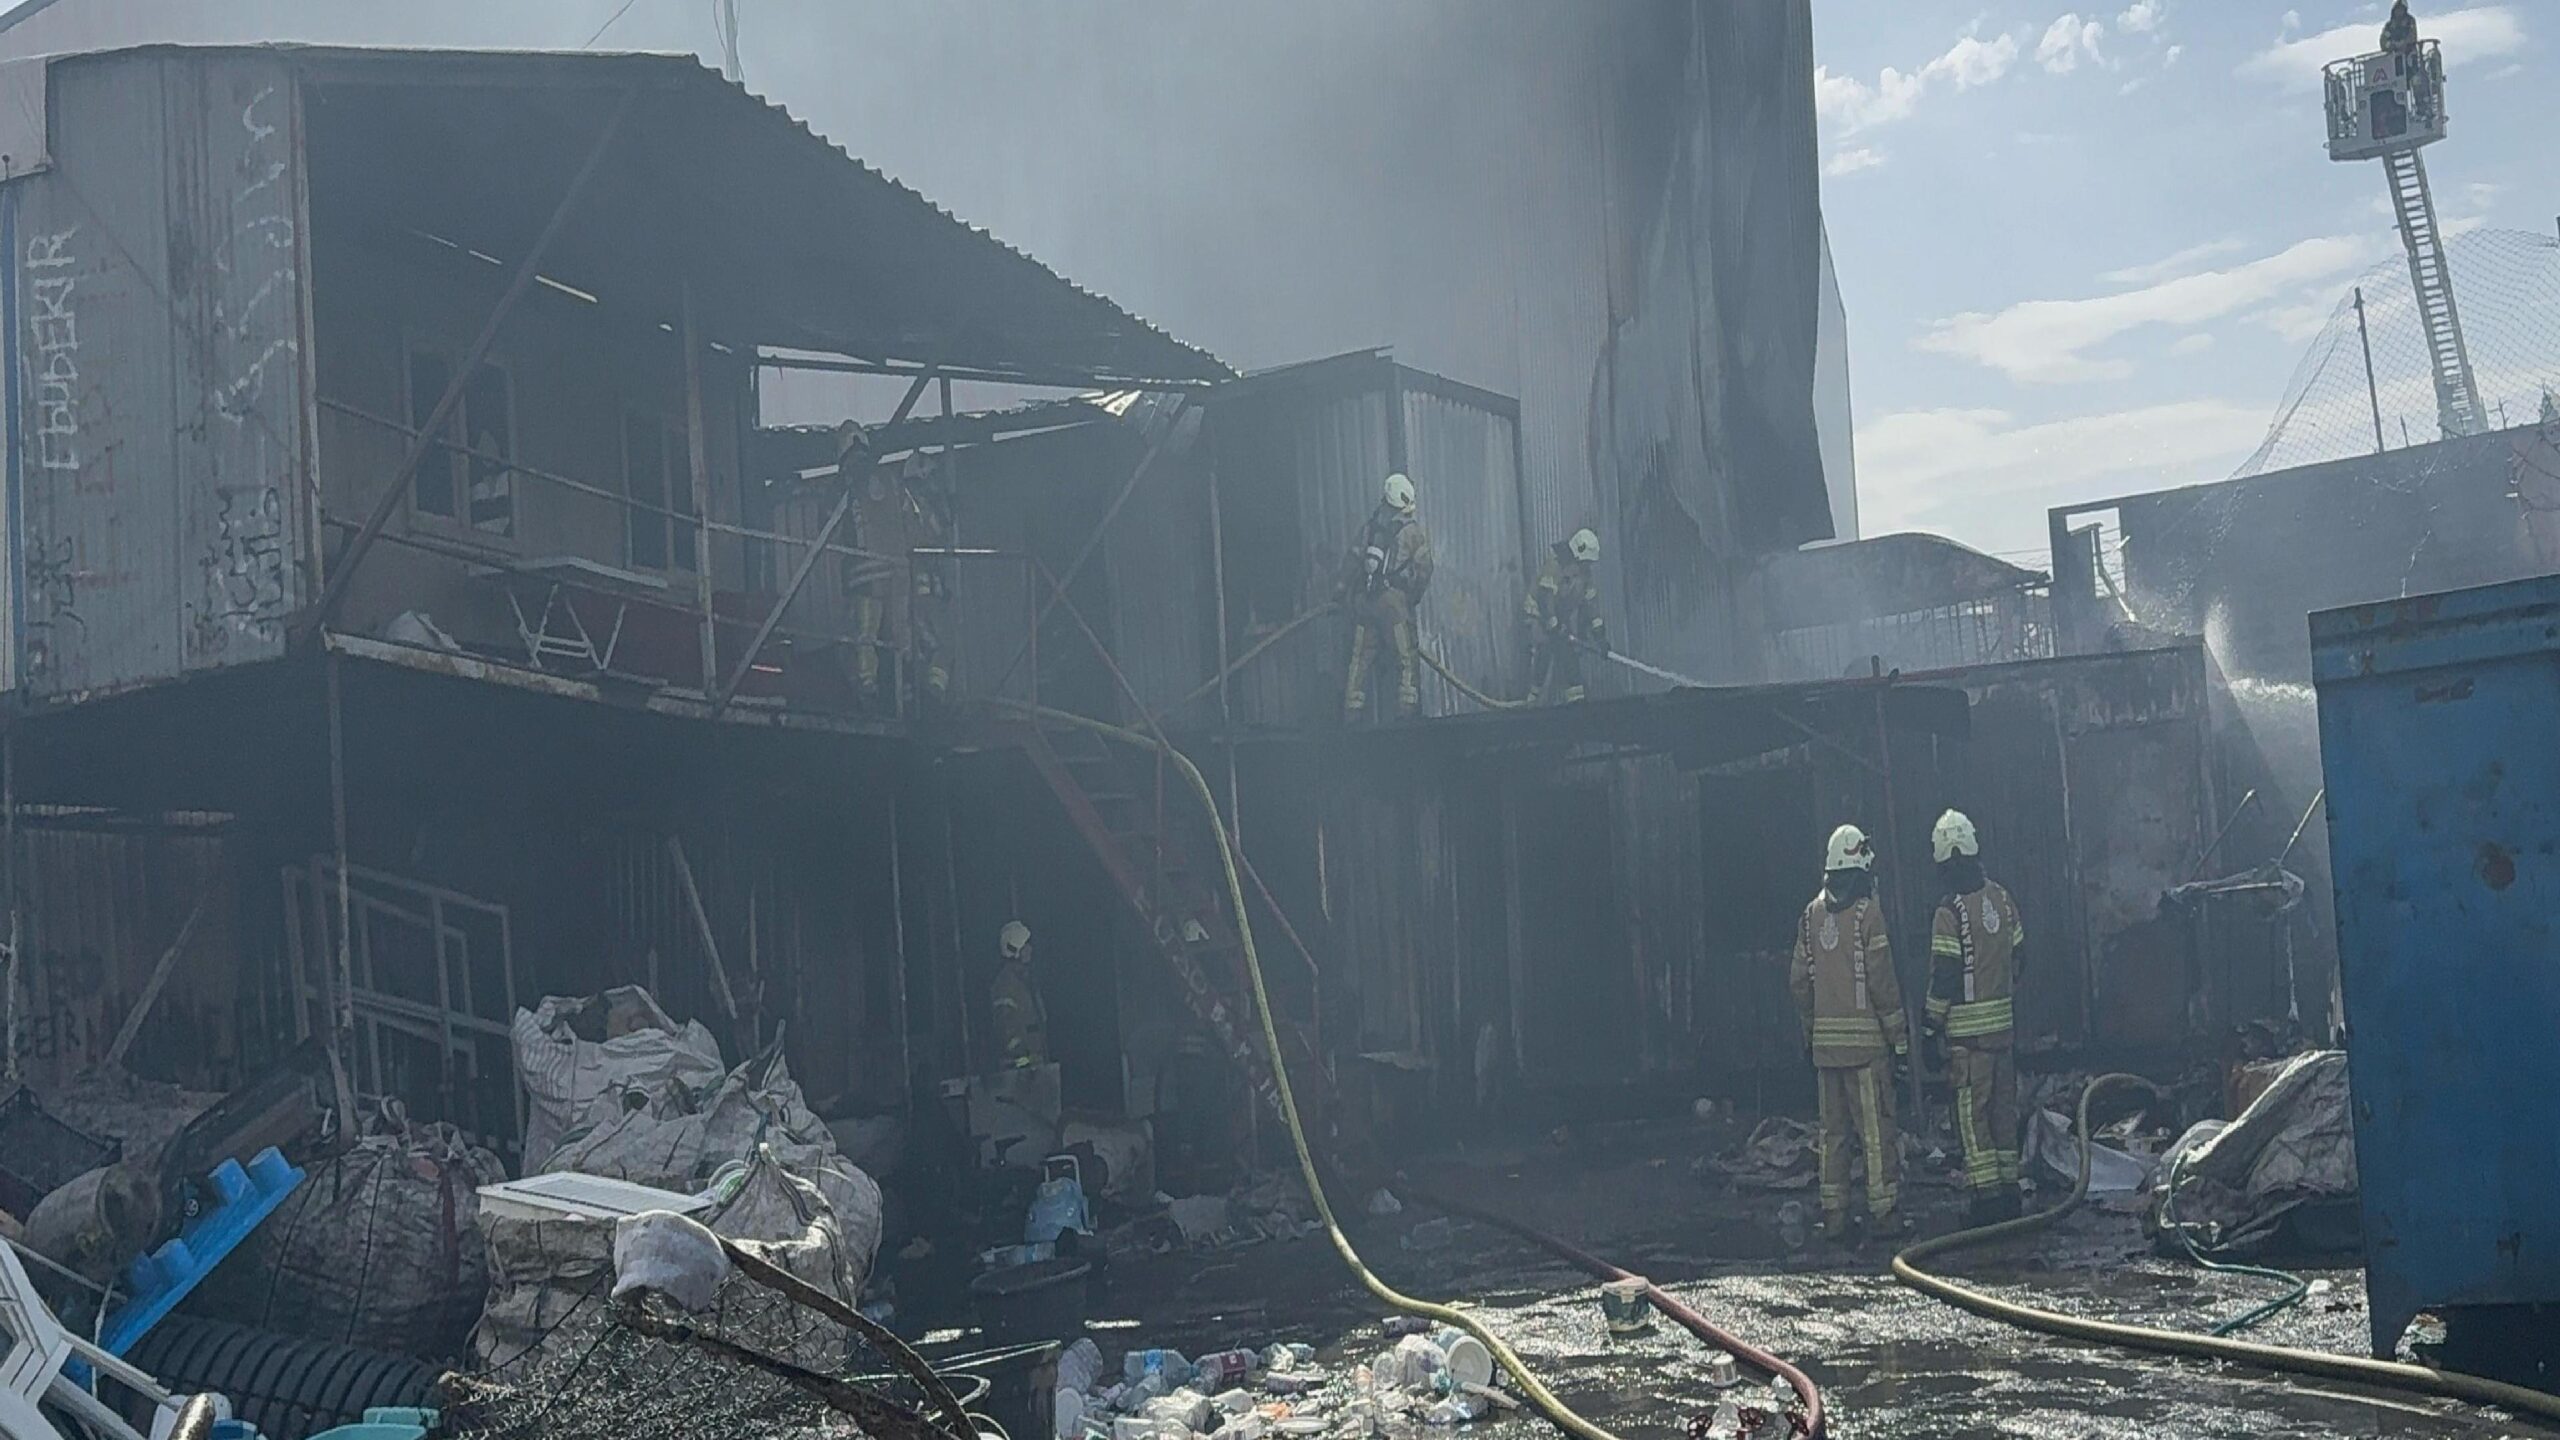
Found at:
[1542, 1399]
[2381, 1374]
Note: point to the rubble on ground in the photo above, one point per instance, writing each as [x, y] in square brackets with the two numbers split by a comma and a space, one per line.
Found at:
[1423, 1377]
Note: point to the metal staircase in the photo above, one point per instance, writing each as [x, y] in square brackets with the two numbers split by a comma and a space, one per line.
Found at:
[1164, 864]
[2458, 409]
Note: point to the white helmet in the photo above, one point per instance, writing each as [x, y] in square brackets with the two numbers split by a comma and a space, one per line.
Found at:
[1952, 836]
[1849, 850]
[1399, 494]
[1013, 939]
[1584, 546]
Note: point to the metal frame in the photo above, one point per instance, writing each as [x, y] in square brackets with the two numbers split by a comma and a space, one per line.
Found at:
[446, 1024]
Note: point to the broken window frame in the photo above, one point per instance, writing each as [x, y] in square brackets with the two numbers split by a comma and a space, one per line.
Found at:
[464, 476]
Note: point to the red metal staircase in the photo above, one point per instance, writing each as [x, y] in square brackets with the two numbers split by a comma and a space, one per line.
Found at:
[1143, 824]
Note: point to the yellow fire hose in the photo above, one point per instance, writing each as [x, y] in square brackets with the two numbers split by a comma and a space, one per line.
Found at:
[2381, 1374]
[1314, 612]
[1538, 1395]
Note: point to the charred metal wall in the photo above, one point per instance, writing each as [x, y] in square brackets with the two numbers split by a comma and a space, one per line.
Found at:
[2244, 562]
[157, 315]
[101, 905]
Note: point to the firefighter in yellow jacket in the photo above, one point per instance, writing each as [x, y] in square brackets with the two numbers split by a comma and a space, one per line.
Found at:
[1022, 1022]
[1562, 615]
[1974, 946]
[1851, 1005]
[1383, 579]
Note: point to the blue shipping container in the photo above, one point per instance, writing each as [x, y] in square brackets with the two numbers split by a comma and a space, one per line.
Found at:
[2440, 739]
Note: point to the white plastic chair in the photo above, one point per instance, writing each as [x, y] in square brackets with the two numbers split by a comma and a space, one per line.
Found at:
[31, 1368]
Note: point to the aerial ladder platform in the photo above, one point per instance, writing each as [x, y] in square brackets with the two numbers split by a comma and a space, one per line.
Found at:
[2388, 106]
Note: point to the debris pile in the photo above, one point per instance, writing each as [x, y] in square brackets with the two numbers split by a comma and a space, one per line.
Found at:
[1425, 1377]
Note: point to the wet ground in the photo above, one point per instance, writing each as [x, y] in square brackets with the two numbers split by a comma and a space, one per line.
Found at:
[1890, 1362]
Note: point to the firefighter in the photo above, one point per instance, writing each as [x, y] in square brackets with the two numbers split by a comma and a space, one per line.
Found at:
[2400, 32]
[1974, 946]
[1562, 612]
[1389, 568]
[893, 596]
[1851, 1005]
[1022, 1022]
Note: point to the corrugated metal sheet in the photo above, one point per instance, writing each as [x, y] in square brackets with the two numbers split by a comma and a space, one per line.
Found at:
[160, 459]
[1463, 454]
[1303, 453]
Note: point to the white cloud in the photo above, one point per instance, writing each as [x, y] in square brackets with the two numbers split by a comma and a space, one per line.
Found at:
[2141, 17]
[2484, 32]
[2195, 344]
[1850, 162]
[2170, 56]
[2297, 321]
[2047, 341]
[2185, 261]
[1852, 105]
[2068, 41]
[1985, 477]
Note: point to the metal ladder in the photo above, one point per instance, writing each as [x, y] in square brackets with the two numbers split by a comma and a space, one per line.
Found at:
[2458, 409]
[1137, 831]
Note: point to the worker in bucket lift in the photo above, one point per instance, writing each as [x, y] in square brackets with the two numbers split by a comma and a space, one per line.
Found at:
[1851, 1005]
[2400, 32]
[1974, 946]
[1022, 1022]
[1562, 612]
[1388, 570]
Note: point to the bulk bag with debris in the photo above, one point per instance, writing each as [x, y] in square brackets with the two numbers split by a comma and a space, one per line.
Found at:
[377, 1249]
[2283, 1174]
[550, 1279]
[668, 1143]
[583, 1055]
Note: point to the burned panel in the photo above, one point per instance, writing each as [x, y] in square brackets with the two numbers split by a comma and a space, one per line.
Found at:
[160, 455]
[1304, 453]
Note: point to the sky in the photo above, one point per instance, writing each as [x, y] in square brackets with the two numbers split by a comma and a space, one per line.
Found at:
[2083, 251]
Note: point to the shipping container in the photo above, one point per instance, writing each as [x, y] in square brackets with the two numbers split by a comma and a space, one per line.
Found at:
[2444, 824]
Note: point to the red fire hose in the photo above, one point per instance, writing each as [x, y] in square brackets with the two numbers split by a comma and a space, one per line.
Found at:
[1663, 1300]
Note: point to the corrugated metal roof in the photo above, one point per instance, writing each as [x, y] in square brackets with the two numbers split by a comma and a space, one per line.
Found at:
[792, 238]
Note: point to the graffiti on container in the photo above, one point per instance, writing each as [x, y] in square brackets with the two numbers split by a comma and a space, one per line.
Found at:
[54, 348]
[52, 598]
[265, 227]
[243, 570]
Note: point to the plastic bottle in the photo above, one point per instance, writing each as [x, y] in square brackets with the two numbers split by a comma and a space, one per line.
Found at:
[1171, 1364]
[1221, 1369]
[1079, 1366]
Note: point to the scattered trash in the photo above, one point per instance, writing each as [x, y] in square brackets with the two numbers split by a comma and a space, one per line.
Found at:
[2051, 1145]
[1431, 1234]
[1794, 1229]
[1778, 1155]
[1722, 1372]
[1384, 1202]
[1401, 1324]
[1201, 1218]
[1626, 1306]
